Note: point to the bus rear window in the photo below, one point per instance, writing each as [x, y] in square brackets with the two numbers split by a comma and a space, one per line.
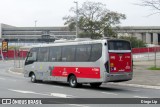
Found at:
[119, 45]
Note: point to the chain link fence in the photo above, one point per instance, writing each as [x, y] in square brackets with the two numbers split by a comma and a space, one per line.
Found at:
[146, 56]
[18, 62]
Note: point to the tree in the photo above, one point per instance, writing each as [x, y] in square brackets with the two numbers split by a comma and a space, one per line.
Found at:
[95, 20]
[154, 4]
[135, 43]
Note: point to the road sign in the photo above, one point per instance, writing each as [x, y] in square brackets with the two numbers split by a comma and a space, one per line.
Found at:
[4, 46]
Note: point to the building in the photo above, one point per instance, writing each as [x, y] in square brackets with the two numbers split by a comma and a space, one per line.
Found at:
[34, 34]
[150, 35]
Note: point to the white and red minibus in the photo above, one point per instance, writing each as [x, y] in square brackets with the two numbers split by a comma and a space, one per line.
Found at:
[78, 62]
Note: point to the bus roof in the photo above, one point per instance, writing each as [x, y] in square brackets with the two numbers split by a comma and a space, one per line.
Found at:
[75, 42]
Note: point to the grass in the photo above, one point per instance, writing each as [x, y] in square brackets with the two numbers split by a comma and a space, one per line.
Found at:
[154, 68]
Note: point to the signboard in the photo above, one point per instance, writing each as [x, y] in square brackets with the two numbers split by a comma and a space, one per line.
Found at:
[4, 46]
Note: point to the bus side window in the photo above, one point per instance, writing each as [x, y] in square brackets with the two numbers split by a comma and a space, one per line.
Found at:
[55, 54]
[32, 55]
[43, 54]
[83, 53]
[68, 53]
[96, 52]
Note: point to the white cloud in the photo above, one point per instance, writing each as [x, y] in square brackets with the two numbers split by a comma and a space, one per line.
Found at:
[51, 12]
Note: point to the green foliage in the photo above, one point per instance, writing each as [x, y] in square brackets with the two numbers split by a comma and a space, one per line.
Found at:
[153, 68]
[135, 43]
[90, 35]
[108, 32]
[95, 20]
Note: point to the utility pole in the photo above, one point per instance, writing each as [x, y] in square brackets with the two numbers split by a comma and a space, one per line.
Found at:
[35, 28]
[76, 18]
[35, 23]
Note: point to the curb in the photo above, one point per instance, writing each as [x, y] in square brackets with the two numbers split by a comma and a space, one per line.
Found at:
[9, 70]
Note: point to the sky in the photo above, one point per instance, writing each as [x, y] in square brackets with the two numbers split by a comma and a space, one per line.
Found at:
[24, 13]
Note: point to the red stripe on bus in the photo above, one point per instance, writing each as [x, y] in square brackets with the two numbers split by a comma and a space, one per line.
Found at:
[79, 72]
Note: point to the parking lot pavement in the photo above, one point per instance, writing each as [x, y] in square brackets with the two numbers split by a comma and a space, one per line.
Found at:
[143, 76]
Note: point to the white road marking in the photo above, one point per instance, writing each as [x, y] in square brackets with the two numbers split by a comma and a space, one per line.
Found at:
[2, 79]
[28, 92]
[109, 93]
[61, 95]
[140, 97]
[137, 85]
[51, 94]
[21, 91]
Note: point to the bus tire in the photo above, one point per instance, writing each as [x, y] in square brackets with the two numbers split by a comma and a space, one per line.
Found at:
[33, 78]
[73, 81]
[95, 85]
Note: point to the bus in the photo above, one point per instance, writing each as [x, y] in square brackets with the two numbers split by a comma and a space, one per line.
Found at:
[81, 62]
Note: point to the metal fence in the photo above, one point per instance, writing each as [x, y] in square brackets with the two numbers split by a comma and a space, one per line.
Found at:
[18, 62]
[150, 59]
[146, 56]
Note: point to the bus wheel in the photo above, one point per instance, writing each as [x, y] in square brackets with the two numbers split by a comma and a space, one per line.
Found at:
[73, 81]
[33, 78]
[95, 85]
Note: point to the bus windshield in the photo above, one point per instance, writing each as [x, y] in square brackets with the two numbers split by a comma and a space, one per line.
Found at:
[119, 45]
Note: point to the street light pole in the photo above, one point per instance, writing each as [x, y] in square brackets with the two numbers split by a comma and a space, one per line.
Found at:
[35, 22]
[35, 28]
[76, 18]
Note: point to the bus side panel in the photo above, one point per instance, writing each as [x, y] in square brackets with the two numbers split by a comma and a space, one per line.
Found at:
[79, 72]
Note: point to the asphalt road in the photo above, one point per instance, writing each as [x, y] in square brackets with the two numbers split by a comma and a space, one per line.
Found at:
[16, 86]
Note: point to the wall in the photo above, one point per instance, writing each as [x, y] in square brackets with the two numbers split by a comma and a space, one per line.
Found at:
[12, 53]
[145, 50]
